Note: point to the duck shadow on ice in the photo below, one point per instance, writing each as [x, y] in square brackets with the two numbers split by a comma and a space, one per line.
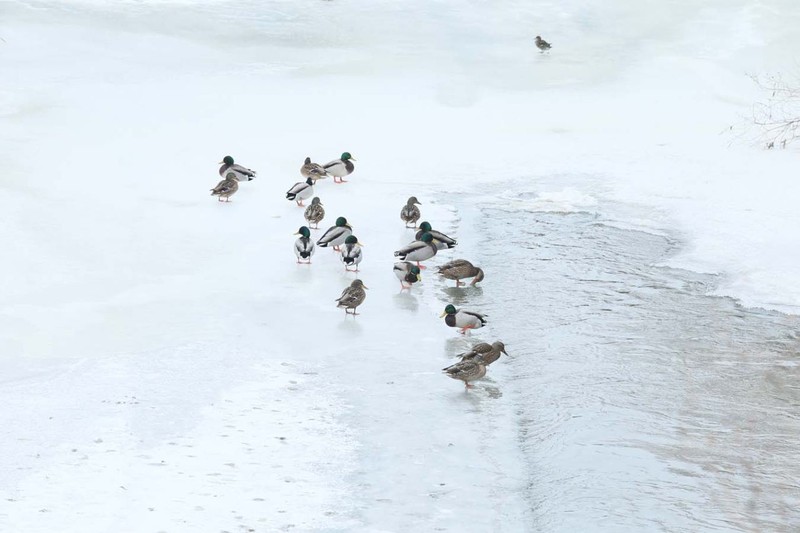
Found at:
[483, 391]
[459, 296]
[351, 325]
[406, 301]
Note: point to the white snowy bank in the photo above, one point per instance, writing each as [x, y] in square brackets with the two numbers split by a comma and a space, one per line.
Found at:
[126, 288]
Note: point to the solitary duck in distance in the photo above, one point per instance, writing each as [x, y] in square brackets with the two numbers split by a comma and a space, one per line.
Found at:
[244, 174]
[314, 213]
[339, 168]
[459, 269]
[463, 319]
[410, 212]
[352, 296]
[542, 45]
[336, 235]
[226, 188]
[304, 246]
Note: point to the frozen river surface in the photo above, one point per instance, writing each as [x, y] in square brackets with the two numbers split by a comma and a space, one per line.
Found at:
[643, 403]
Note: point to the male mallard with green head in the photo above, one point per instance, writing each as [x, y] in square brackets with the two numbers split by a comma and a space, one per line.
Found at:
[339, 168]
[314, 213]
[410, 212]
[406, 272]
[304, 246]
[459, 269]
[336, 235]
[420, 250]
[244, 174]
[351, 253]
[352, 296]
[462, 318]
[300, 191]
[442, 241]
[226, 188]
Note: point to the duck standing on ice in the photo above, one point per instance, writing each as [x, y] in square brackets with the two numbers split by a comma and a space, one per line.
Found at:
[336, 235]
[441, 240]
[410, 212]
[459, 269]
[244, 174]
[420, 250]
[314, 213]
[339, 168]
[351, 253]
[304, 246]
[542, 45]
[226, 188]
[312, 170]
[483, 352]
[406, 272]
[300, 191]
[463, 319]
[466, 371]
[352, 296]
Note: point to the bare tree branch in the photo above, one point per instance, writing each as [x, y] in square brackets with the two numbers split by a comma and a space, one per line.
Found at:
[777, 117]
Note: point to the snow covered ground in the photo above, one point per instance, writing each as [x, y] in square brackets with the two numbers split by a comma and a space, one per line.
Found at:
[166, 365]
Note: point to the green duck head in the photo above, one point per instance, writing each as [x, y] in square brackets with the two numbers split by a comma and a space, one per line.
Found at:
[342, 222]
[351, 239]
[416, 271]
[304, 231]
[228, 160]
[425, 226]
[346, 156]
[427, 238]
[449, 310]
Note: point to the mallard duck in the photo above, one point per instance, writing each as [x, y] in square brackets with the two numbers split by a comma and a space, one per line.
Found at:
[459, 269]
[467, 371]
[407, 272]
[336, 235]
[410, 212]
[339, 168]
[442, 241]
[312, 170]
[226, 188]
[315, 212]
[542, 45]
[463, 319]
[352, 296]
[244, 174]
[300, 191]
[483, 352]
[351, 253]
[304, 246]
[420, 250]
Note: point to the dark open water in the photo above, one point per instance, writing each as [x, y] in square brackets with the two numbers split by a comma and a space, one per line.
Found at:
[643, 403]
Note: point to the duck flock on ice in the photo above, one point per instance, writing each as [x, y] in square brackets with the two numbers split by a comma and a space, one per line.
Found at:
[426, 244]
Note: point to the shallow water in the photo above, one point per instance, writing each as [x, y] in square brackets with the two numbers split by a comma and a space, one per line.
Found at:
[642, 403]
